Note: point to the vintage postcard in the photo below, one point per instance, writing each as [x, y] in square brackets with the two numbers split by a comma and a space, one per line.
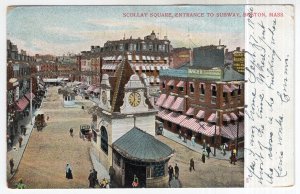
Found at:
[149, 96]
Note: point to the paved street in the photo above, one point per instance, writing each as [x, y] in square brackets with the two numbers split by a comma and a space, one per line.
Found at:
[212, 173]
[48, 151]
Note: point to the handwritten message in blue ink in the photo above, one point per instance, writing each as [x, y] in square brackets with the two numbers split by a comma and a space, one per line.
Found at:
[269, 99]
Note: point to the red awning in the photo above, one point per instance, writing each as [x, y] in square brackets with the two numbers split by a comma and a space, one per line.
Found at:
[163, 113]
[230, 131]
[28, 95]
[22, 104]
[171, 83]
[175, 117]
[233, 116]
[226, 117]
[91, 88]
[234, 87]
[226, 89]
[161, 99]
[200, 127]
[212, 118]
[178, 104]
[200, 114]
[96, 90]
[190, 111]
[180, 84]
[170, 100]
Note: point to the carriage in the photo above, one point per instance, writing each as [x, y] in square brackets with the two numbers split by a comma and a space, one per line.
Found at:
[39, 122]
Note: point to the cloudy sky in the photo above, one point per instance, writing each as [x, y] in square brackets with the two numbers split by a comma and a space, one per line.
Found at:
[70, 29]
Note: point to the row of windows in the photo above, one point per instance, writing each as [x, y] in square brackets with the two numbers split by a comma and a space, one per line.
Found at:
[202, 89]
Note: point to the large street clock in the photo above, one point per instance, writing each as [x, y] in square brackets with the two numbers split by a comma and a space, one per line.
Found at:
[134, 99]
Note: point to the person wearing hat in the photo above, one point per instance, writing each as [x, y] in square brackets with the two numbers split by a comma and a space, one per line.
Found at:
[11, 165]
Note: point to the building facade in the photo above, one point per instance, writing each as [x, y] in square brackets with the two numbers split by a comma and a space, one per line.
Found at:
[201, 103]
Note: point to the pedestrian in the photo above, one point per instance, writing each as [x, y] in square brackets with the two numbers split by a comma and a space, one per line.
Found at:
[170, 171]
[91, 179]
[11, 140]
[20, 141]
[203, 144]
[69, 174]
[20, 184]
[208, 150]
[11, 165]
[135, 182]
[179, 133]
[9, 143]
[192, 165]
[71, 132]
[193, 140]
[48, 117]
[24, 131]
[184, 138]
[203, 155]
[95, 173]
[233, 157]
[176, 171]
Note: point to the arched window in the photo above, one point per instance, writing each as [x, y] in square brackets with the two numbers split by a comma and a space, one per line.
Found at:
[104, 140]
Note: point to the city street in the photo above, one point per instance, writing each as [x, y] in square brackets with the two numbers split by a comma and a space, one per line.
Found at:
[212, 173]
[48, 151]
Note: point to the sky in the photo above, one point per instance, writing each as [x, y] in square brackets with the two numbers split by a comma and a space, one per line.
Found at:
[60, 30]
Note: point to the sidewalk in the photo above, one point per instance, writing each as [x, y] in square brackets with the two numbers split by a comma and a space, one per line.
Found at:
[16, 153]
[102, 172]
[198, 147]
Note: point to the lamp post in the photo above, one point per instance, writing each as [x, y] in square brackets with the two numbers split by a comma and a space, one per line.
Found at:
[215, 137]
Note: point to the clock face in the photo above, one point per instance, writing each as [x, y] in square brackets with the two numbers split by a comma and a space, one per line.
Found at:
[134, 99]
[104, 97]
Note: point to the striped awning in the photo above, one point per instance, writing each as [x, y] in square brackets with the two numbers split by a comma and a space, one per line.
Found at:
[234, 87]
[200, 114]
[158, 68]
[230, 131]
[180, 84]
[147, 67]
[174, 117]
[151, 79]
[119, 57]
[143, 68]
[170, 83]
[233, 116]
[241, 114]
[226, 89]
[163, 113]
[28, 96]
[137, 68]
[200, 127]
[161, 99]
[190, 111]
[97, 90]
[137, 57]
[157, 80]
[212, 118]
[143, 57]
[152, 68]
[170, 100]
[152, 58]
[178, 104]
[22, 104]
[129, 57]
[226, 117]
[91, 88]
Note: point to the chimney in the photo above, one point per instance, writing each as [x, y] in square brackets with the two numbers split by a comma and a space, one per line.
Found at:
[92, 47]
[238, 48]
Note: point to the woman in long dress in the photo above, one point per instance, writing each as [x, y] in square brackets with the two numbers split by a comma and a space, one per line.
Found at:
[69, 174]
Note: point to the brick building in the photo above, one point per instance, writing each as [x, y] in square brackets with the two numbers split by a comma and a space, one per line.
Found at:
[204, 103]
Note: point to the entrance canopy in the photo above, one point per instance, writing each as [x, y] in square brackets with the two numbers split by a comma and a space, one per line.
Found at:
[140, 146]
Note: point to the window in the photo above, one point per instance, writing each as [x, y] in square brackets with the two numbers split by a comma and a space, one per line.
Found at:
[202, 90]
[157, 170]
[117, 159]
[149, 172]
[233, 93]
[171, 87]
[104, 140]
[164, 84]
[191, 87]
[169, 124]
[214, 90]
[181, 89]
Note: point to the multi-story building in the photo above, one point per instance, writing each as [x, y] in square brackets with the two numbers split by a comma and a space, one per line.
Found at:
[181, 57]
[20, 68]
[208, 56]
[206, 103]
